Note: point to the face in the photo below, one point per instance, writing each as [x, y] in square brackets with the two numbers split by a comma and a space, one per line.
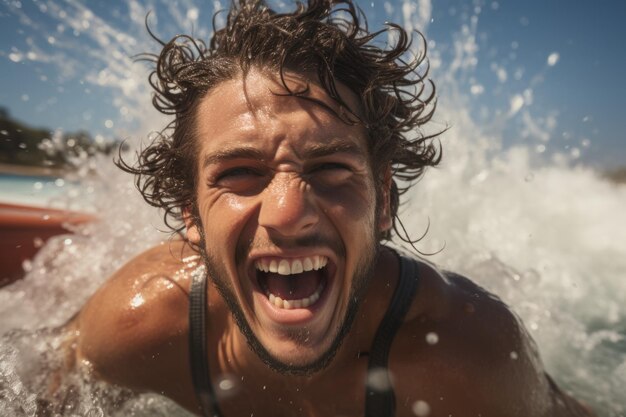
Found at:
[286, 215]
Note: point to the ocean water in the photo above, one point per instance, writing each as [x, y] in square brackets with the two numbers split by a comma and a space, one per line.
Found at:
[534, 227]
[29, 190]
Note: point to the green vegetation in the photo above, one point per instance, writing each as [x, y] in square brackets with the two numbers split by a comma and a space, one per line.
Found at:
[28, 146]
[25, 145]
[617, 175]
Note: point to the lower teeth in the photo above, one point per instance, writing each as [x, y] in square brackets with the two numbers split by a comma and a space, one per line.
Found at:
[301, 303]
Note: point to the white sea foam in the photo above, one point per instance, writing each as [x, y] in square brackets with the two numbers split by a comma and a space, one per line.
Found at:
[546, 236]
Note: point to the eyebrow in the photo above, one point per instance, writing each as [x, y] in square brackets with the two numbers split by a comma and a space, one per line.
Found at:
[311, 152]
[326, 149]
[230, 154]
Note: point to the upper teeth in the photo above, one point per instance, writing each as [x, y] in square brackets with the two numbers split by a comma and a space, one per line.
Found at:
[291, 266]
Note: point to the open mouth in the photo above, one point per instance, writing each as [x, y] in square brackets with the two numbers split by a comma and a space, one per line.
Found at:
[292, 283]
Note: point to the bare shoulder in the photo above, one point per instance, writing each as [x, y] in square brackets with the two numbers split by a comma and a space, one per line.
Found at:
[470, 354]
[138, 318]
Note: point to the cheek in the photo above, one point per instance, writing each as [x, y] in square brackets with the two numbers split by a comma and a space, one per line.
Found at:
[353, 212]
[234, 203]
[223, 217]
[356, 200]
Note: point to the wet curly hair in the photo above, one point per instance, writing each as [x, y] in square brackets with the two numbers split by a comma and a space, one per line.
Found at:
[329, 38]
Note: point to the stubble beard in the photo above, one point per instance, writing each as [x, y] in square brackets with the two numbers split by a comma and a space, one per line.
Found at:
[364, 269]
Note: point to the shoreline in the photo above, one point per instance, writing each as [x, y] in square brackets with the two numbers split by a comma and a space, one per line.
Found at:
[31, 171]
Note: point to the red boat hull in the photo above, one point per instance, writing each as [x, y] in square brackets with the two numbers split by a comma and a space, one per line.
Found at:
[22, 231]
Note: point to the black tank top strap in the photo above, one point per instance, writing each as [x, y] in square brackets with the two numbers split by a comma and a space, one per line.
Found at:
[198, 357]
[380, 400]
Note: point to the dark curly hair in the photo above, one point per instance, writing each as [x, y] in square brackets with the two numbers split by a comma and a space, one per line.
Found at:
[327, 37]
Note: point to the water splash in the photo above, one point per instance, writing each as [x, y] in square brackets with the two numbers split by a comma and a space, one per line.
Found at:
[522, 221]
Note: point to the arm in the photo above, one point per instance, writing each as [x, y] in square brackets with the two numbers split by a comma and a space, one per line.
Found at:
[482, 362]
[133, 331]
[513, 372]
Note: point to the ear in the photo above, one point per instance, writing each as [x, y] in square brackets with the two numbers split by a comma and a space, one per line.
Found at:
[384, 221]
[191, 223]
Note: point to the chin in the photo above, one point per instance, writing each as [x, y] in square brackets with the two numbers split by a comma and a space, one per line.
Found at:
[298, 358]
[301, 340]
[298, 362]
[299, 352]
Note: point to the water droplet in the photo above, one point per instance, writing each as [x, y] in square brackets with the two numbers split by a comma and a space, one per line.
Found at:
[553, 58]
[516, 103]
[137, 301]
[67, 242]
[226, 384]
[501, 74]
[108, 123]
[15, 56]
[38, 242]
[477, 89]
[378, 379]
[432, 338]
[193, 13]
[27, 265]
[514, 355]
[421, 408]
[59, 182]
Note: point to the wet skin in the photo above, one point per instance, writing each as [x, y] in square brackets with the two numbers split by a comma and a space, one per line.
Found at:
[275, 173]
[268, 181]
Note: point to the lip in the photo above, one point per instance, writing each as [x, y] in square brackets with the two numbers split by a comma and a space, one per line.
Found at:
[295, 316]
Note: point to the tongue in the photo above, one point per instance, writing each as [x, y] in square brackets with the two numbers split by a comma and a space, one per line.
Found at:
[293, 287]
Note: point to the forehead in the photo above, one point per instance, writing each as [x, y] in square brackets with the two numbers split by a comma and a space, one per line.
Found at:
[254, 109]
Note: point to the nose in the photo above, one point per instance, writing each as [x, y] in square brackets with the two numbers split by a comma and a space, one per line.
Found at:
[288, 208]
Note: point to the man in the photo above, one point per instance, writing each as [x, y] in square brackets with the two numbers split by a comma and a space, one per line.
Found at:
[289, 133]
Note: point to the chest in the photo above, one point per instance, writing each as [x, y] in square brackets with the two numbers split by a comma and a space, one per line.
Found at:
[335, 394]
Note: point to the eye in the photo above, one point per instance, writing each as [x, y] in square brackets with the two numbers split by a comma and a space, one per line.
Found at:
[240, 180]
[331, 166]
[238, 172]
[331, 173]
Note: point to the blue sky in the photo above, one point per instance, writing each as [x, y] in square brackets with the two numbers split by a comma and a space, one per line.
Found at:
[47, 79]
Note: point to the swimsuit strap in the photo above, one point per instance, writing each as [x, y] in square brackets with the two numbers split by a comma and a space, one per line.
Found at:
[198, 357]
[380, 399]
